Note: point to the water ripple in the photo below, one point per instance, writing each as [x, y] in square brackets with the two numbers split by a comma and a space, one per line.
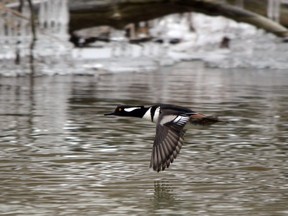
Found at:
[61, 156]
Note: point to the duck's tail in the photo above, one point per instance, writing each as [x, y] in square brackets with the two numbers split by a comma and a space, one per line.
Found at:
[200, 119]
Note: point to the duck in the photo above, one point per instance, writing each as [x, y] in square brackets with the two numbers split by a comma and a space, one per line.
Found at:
[171, 124]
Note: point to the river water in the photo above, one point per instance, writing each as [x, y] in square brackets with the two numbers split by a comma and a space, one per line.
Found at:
[61, 156]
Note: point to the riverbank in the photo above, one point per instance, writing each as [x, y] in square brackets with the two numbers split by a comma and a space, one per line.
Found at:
[217, 41]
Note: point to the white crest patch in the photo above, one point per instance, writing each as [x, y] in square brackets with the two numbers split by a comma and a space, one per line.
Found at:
[130, 109]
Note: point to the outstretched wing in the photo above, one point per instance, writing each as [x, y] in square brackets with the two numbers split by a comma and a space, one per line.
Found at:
[168, 140]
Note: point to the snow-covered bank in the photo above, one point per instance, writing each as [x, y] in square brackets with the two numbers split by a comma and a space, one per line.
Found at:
[245, 46]
[217, 41]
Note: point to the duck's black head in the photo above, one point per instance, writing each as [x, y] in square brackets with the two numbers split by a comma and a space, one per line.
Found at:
[126, 110]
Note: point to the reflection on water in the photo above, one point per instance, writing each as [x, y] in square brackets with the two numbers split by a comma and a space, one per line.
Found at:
[60, 155]
[163, 195]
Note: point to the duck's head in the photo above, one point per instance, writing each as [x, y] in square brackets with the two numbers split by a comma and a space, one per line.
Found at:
[126, 110]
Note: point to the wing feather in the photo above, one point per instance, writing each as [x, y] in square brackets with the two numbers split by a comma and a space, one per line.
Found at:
[165, 148]
[168, 140]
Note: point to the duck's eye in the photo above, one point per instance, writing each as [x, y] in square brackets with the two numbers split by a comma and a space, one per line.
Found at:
[120, 109]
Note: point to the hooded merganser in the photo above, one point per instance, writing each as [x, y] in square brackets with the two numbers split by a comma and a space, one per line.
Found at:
[170, 128]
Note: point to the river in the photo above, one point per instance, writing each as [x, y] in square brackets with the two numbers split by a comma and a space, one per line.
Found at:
[61, 156]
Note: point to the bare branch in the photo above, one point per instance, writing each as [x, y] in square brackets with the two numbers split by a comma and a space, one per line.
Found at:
[14, 12]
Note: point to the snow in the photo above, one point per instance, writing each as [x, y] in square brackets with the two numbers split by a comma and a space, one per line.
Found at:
[248, 47]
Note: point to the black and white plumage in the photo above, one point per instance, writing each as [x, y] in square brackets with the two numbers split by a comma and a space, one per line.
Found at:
[170, 128]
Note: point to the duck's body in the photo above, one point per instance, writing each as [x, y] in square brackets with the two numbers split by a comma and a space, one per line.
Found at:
[170, 128]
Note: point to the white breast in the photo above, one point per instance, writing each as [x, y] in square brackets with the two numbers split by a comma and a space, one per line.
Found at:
[148, 116]
[156, 114]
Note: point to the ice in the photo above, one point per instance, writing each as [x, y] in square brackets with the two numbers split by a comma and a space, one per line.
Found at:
[54, 17]
[199, 38]
[248, 47]
[52, 33]
[273, 10]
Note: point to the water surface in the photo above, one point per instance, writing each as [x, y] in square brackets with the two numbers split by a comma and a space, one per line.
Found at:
[61, 156]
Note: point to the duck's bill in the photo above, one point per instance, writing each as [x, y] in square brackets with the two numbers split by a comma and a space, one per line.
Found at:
[112, 113]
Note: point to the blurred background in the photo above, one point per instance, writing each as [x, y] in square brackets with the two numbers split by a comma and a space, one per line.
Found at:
[64, 63]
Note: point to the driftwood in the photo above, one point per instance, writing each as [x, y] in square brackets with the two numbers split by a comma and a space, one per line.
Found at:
[133, 11]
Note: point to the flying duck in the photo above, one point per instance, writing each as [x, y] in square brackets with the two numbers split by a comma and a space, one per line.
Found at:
[170, 128]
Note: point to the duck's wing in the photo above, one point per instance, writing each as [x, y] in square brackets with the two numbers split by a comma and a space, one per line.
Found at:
[168, 140]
